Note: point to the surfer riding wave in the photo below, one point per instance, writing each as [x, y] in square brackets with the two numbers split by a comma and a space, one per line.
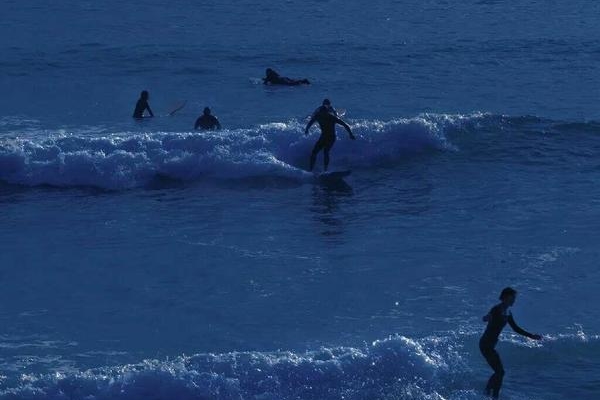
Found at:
[326, 117]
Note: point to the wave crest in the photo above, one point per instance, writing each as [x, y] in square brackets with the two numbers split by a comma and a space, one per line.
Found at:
[384, 367]
[127, 160]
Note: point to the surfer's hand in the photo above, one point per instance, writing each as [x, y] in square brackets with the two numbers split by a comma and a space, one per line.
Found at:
[537, 337]
[352, 137]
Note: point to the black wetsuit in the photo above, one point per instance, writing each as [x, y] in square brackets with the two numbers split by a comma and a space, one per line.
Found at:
[274, 78]
[498, 317]
[141, 106]
[327, 118]
[207, 122]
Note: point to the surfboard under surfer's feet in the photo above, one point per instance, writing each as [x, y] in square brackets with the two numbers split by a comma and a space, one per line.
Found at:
[331, 176]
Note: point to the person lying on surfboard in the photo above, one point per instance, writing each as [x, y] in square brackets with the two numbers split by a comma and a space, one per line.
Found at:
[273, 78]
[207, 121]
[497, 319]
[327, 119]
[142, 105]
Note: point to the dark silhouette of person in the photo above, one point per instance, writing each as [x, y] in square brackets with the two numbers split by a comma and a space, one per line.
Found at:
[327, 119]
[273, 78]
[142, 105]
[496, 320]
[207, 121]
[326, 104]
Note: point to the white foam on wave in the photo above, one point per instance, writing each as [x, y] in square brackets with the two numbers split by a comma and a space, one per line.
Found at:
[127, 160]
[398, 367]
[385, 368]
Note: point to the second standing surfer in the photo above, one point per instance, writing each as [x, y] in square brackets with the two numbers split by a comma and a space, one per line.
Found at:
[497, 319]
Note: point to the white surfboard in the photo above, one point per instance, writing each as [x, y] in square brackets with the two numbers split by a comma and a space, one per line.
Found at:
[333, 176]
[176, 107]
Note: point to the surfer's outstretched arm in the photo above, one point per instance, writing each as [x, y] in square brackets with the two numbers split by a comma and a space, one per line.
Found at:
[520, 330]
[346, 126]
[149, 110]
[310, 123]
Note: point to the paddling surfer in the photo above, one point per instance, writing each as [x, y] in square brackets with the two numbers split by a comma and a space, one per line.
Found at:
[273, 78]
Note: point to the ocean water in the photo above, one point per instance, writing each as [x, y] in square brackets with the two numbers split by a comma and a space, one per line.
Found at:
[144, 260]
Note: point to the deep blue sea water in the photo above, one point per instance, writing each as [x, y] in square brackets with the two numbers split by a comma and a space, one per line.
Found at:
[144, 260]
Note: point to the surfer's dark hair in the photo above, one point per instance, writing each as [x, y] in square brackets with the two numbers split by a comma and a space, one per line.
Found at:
[144, 93]
[507, 291]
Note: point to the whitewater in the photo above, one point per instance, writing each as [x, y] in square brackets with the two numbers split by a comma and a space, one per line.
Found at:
[146, 260]
[129, 159]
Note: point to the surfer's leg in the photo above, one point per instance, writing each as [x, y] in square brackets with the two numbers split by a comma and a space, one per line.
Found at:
[313, 156]
[495, 382]
[326, 150]
[499, 372]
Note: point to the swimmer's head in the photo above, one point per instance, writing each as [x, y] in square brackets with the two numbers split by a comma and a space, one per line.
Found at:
[144, 95]
[508, 296]
[206, 111]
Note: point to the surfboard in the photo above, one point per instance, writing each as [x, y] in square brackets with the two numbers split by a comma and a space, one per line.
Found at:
[176, 107]
[333, 176]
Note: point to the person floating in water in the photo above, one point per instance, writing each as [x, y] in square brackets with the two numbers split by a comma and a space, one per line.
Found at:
[207, 121]
[142, 105]
[496, 320]
[327, 119]
[273, 78]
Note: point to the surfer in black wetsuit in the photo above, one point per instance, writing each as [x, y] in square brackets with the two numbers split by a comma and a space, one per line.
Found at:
[142, 105]
[273, 78]
[497, 319]
[207, 121]
[327, 119]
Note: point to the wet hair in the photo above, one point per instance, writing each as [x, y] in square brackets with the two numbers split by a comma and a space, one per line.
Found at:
[507, 291]
[144, 94]
[326, 102]
[206, 111]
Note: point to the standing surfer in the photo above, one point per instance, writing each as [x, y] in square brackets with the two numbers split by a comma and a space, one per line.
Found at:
[327, 119]
[497, 319]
